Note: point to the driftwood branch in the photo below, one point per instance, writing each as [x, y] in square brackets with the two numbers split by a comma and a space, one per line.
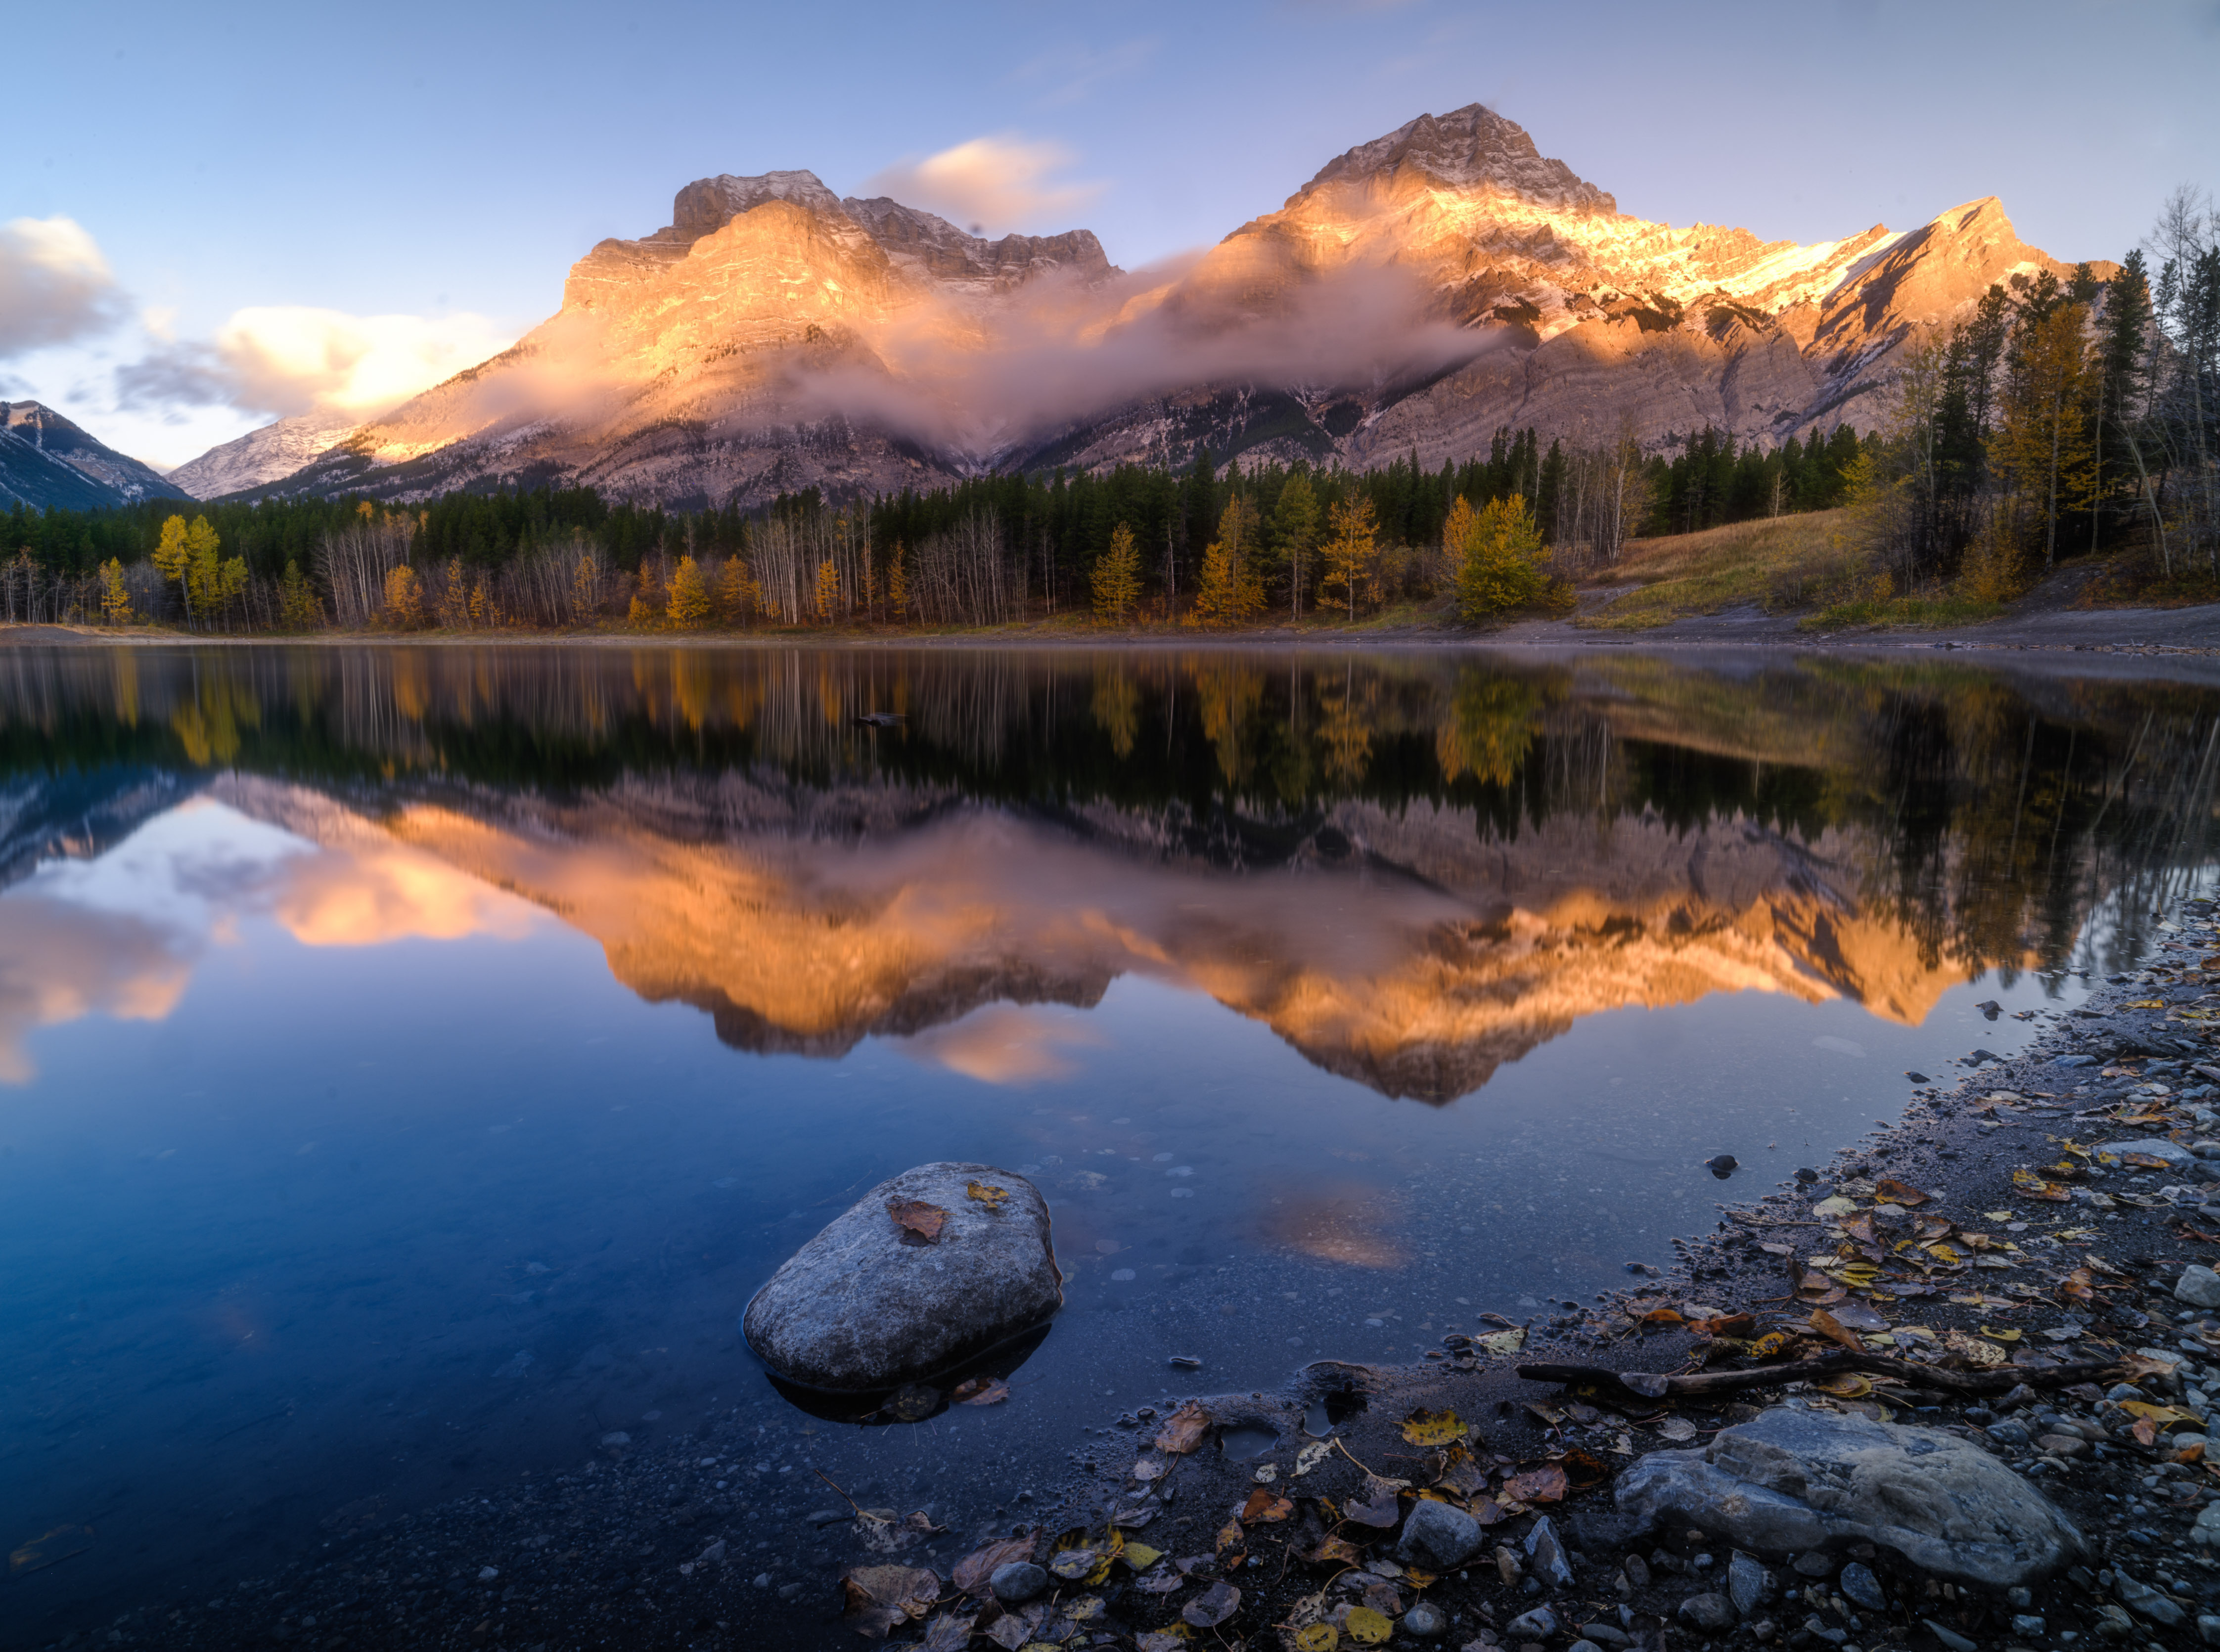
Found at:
[1653, 1385]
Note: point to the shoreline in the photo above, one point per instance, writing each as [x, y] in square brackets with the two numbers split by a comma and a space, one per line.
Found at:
[665, 1545]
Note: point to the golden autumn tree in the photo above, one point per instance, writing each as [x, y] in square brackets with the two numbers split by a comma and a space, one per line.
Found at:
[1229, 592]
[585, 587]
[1496, 551]
[1116, 581]
[1349, 554]
[114, 596]
[171, 558]
[688, 605]
[299, 607]
[828, 593]
[737, 596]
[404, 598]
[898, 585]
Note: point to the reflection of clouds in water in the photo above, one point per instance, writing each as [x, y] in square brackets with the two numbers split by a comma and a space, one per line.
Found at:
[60, 962]
[119, 935]
[1004, 1044]
[1349, 1223]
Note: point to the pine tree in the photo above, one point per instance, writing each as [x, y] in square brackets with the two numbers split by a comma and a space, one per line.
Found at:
[688, 605]
[2043, 448]
[299, 607]
[1116, 581]
[2122, 377]
[1294, 531]
[1349, 554]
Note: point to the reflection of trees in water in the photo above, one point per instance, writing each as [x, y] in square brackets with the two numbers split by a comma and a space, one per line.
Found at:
[1992, 815]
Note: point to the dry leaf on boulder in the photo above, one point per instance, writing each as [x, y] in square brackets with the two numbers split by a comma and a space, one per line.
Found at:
[992, 1198]
[915, 1217]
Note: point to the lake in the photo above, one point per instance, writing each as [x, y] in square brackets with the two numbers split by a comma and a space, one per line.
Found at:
[412, 1058]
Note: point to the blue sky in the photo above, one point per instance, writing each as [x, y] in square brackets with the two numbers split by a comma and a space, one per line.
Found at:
[348, 199]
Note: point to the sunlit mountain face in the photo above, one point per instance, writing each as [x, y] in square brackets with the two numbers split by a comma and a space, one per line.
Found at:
[1412, 869]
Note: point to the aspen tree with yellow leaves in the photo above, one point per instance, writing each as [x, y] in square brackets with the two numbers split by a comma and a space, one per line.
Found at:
[689, 606]
[1349, 554]
[1116, 581]
[1231, 593]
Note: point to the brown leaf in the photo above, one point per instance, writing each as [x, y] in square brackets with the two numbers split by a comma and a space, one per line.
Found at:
[1378, 1509]
[1230, 1538]
[979, 1391]
[1159, 1579]
[1212, 1606]
[1265, 1507]
[880, 1598]
[1543, 1485]
[1183, 1429]
[914, 1216]
[1487, 1511]
[912, 1402]
[1893, 1192]
[1725, 1325]
[1333, 1551]
[950, 1632]
[1460, 1473]
[974, 1570]
[1829, 1326]
[1584, 1469]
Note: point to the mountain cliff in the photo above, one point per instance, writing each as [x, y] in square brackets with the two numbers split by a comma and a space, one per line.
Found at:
[1421, 290]
[267, 455]
[44, 460]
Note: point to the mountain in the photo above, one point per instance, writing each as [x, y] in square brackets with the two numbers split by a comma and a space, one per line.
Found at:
[44, 460]
[1421, 290]
[270, 454]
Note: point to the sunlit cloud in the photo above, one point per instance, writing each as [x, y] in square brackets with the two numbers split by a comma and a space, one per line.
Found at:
[55, 286]
[60, 962]
[1004, 1043]
[289, 359]
[370, 897]
[994, 182]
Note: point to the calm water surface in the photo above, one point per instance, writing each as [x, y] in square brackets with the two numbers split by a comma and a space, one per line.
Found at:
[412, 1059]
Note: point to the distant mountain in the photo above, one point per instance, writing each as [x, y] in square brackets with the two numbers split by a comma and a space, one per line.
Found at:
[44, 460]
[1421, 290]
[270, 454]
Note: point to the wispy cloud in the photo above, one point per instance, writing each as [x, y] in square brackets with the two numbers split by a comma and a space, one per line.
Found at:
[285, 359]
[1069, 74]
[55, 286]
[1001, 181]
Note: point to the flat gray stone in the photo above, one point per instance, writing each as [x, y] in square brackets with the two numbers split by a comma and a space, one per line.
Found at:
[1436, 1537]
[1949, 1637]
[2198, 1286]
[1545, 1555]
[2156, 1146]
[1538, 1624]
[1424, 1620]
[1707, 1611]
[1749, 1585]
[1860, 1587]
[1798, 1480]
[2145, 1601]
[1015, 1582]
[1606, 1635]
[857, 1309]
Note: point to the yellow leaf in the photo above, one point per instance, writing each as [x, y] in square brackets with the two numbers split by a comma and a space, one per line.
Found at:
[1140, 1556]
[1318, 1637]
[1432, 1428]
[992, 1198]
[1504, 1341]
[2011, 1336]
[1367, 1627]
[1309, 1457]
[1848, 1386]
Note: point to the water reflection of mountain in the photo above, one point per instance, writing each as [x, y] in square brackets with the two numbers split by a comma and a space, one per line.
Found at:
[1412, 867]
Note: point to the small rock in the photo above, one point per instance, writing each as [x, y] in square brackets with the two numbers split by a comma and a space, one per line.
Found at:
[1707, 1611]
[1861, 1588]
[1545, 1555]
[2198, 1286]
[1817, 1563]
[1723, 1166]
[2063, 1445]
[713, 1556]
[2007, 1432]
[1440, 1538]
[488, 1574]
[1637, 1571]
[2143, 1598]
[1426, 1621]
[1016, 1583]
[2208, 1629]
[1949, 1637]
[1577, 1645]
[1606, 1635]
[1749, 1585]
[1539, 1624]
[2025, 1624]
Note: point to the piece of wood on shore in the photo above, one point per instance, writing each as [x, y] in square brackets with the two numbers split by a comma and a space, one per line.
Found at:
[1657, 1385]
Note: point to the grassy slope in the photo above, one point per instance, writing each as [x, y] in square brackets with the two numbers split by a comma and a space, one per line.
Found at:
[1779, 564]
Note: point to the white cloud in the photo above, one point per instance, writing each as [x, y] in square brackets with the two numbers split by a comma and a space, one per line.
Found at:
[292, 358]
[997, 183]
[54, 285]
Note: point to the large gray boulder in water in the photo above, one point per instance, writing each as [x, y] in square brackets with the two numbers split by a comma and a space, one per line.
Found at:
[924, 1272]
[1799, 1481]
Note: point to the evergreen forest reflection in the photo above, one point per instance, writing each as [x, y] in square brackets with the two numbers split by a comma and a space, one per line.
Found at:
[1413, 866]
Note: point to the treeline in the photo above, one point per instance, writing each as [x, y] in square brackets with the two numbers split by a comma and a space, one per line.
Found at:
[2063, 419]
[1194, 545]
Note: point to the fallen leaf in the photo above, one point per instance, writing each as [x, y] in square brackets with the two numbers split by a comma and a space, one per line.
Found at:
[1661, 1317]
[881, 1598]
[2080, 1286]
[1677, 1428]
[1183, 1429]
[1164, 1640]
[1140, 1556]
[1774, 1343]
[1266, 1473]
[1212, 1606]
[1543, 1485]
[1309, 1456]
[1432, 1428]
[1317, 1637]
[1992, 1332]
[973, 1571]
[1367, 1627]
[992, 1198]
[1891, 1191]
[1501, 1343]
[1149, 1468]
[915, 1216]
[950, 1632]
[1487, 1511]
[979, 1391]
[1264, 1507]
[912, 1402]
[2036, 1188]
[1723, 1324]
[1976, 1351]
[1583, 1469]
[1378, 1508]
[1072, 1563]
[1829, 1326]
[1333, 1551]
[1230, 1536]
[1460, 1473]
[1847, 1386]
[1162, 1581]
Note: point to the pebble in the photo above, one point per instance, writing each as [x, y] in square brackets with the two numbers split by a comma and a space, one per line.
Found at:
[1707, 1611]
[2142, 1598]
[2198, 1286]
[488, 1574]
[1426, 1621]
[1606, 1635]
[1949, 1637]
[1861, 1588]
[1638, 1572]
[2027, 1624]
[1539, 1624]
[1016, 1583]
[1545, 1554]
[2008, 1433]
[1817, 1563]
[1749, 1585]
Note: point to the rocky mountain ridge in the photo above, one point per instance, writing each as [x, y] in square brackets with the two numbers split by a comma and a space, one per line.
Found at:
[45, 461]
[1421, 290]
[270, 454]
